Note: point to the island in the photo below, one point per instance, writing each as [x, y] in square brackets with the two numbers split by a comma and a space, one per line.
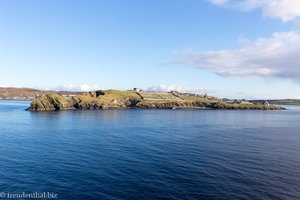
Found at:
[116, 99]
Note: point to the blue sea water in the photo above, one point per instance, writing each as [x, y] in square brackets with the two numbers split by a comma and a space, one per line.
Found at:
[150, 154]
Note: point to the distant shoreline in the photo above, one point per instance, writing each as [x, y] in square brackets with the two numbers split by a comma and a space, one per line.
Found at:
[16, 100]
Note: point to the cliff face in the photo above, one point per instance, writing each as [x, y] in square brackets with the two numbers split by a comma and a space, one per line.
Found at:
[113, 99]
[51, 102]
[91, 100]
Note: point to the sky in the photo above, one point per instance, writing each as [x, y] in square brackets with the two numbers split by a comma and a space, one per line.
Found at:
[226, 48]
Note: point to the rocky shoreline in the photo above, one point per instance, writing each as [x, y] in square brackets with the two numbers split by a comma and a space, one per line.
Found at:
[114, 99]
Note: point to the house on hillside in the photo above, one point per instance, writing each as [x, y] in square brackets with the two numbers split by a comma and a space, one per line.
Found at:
[225, 99]
[174, 92]
[137, 89]
[236, 101]
[266, 103]
[68, 95]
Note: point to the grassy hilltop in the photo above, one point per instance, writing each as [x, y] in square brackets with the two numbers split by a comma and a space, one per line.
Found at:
[116, 99]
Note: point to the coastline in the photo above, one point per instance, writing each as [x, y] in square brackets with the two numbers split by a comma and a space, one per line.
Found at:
[115, 99]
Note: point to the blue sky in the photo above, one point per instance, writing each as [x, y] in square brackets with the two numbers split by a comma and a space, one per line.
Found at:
[214, 46]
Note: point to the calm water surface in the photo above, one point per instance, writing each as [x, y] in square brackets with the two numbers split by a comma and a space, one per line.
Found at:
[150, 154]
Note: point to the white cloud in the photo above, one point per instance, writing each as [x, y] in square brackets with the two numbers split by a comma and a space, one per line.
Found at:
[168, 88]
[219, 2]
[275, 56]
[286, 10]
[76, 88]
[158, 88]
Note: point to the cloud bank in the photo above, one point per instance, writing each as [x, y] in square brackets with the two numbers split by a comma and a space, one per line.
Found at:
[157, 88]
[76, 88]
[168, 88]
[277, 56]
[286, 10]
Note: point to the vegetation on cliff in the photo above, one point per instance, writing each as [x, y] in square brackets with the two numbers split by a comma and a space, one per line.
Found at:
[115, 99]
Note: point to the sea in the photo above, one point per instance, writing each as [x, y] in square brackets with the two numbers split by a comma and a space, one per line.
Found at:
[149, 154]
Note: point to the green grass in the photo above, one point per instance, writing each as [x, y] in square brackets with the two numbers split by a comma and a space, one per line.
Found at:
[118, 94]
[57, 98]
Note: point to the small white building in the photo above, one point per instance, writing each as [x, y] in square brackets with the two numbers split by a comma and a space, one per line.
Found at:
[68, 95]
[266, 103]
[137, 89]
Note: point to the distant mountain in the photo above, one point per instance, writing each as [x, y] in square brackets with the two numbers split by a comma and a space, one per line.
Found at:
[28, 93]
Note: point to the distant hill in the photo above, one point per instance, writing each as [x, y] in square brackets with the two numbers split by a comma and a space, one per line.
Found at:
[10, 93]
[286, 102]
[280, 101]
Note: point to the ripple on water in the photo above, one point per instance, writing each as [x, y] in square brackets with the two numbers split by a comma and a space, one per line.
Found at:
[151, 154]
